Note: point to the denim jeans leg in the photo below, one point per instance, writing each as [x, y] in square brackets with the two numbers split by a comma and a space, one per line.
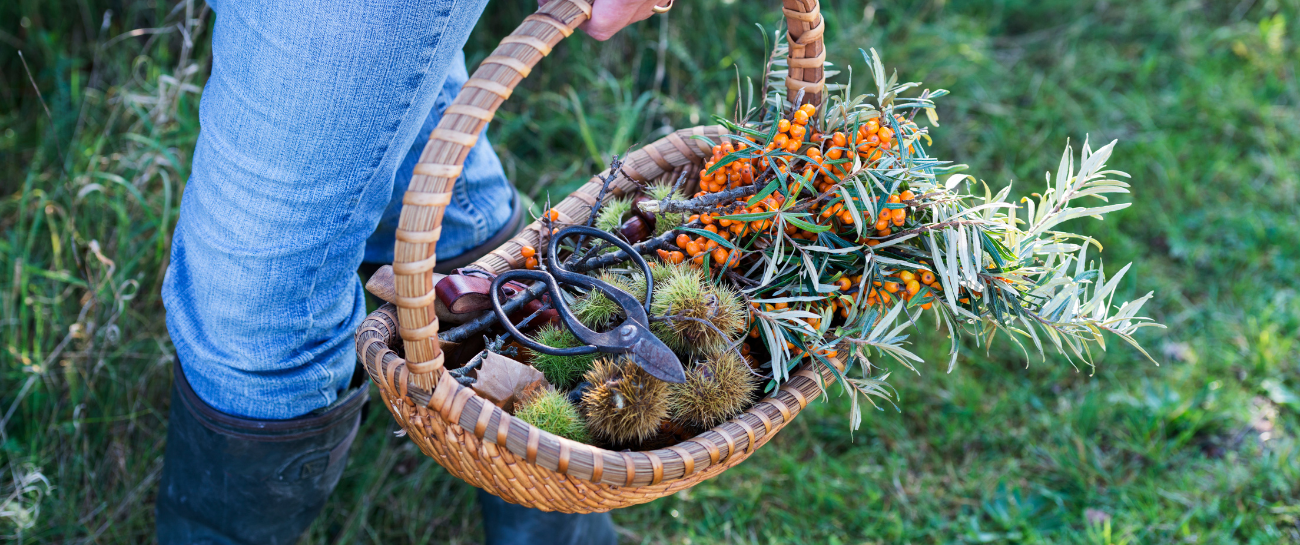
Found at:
[310, 109]
[481, 200]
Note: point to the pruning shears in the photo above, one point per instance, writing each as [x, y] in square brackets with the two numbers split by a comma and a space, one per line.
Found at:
[632, 337]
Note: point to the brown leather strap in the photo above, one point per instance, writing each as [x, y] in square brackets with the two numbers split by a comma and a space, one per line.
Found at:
[657, 468]
[688, 461]
[762, 417]
[749, 431]
[597, 464]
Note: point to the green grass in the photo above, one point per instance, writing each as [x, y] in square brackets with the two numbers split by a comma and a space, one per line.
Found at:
[1202, 449]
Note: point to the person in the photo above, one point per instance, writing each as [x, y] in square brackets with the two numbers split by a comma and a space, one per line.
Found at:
[312, 120]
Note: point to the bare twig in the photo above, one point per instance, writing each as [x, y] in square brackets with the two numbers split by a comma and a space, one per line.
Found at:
[933, 227]
[924, 95]
[488, 319]
[615, 170]
[703, 203]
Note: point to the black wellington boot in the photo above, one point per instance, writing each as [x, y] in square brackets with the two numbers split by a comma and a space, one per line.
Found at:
[505, 523]
[229, 480]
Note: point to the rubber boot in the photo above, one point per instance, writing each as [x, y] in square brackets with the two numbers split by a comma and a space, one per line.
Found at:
[505, 523]
[228, 480]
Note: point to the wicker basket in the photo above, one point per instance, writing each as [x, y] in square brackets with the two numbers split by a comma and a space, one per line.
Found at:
[474, 439]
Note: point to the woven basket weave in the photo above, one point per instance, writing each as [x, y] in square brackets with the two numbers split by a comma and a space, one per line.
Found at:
[474, 439]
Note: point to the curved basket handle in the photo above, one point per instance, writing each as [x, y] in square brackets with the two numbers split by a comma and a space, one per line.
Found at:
[423, 205]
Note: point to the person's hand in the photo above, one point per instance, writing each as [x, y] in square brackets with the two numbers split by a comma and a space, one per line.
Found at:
[610, 16]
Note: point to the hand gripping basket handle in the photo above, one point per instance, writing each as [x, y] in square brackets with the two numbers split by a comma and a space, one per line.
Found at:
[440, 164]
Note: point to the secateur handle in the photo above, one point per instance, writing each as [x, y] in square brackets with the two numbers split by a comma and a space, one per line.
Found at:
[616, 340]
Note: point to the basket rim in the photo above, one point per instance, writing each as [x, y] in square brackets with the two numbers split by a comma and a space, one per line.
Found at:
[461, 406]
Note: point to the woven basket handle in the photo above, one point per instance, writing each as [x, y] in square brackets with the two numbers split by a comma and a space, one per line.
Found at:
[440, 164]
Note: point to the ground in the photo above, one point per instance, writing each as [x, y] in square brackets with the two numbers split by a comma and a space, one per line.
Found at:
[1202, 95]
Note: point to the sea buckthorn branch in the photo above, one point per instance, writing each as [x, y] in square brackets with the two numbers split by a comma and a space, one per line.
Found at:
[701, 204]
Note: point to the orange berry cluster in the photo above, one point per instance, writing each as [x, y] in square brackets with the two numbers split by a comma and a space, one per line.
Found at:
[697, 248]
[907, 285]
[530, 257]
[796, 352]
[737, 173]
[529, 253]
[790, 133]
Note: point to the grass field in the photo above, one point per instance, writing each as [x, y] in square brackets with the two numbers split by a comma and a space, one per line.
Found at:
[1203, 96]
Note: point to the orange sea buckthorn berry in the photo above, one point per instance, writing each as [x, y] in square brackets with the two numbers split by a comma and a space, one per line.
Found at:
[899, 216]
[781, 140]
[682, 239]
[663, 254]
[834, 154]
[926, 306]
[839, 140]
[964, 301]
[797, 132]
[927, 277]
[792, 146]
[692, 248]
[530, 263]
[906, 195]
[873, 243]
[846, 217]
[844, 283]
[872, 125]
[885, 134]
[706, 219]
[883, 223]
[801, 117]
[717, 150]
[913, 287]
[676, 257]
[783, 125]
[528, 251]
[884, 232]
[808, 109]
[553, 214]
[907, 276]
[891, 287]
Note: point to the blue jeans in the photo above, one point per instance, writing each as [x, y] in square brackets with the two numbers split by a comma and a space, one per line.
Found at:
[313, 117]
